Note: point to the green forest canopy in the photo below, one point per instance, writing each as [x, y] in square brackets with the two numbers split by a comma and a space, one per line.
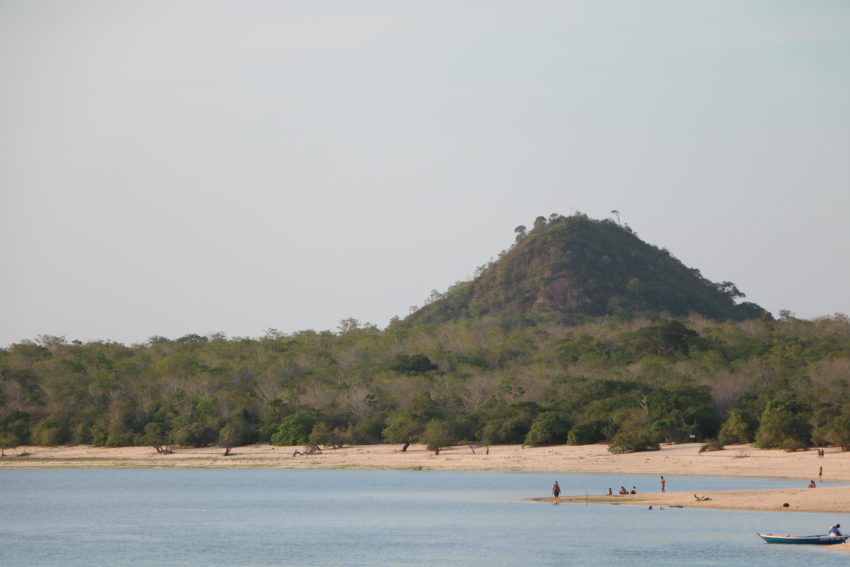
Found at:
[579, 333]
[632, 382]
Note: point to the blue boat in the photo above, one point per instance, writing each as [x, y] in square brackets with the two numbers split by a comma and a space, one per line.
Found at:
[827, 539]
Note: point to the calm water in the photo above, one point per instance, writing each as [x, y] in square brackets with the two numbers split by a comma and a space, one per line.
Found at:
[376, 518]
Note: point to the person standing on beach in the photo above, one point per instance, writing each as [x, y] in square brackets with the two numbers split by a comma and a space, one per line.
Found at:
[663, 484]
[556, 492]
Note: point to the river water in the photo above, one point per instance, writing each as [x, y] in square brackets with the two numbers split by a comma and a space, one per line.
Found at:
[273, 517]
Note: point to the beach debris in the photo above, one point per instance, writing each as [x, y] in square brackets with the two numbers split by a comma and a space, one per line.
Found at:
[701, 498]
[308, 450]
[479, 445]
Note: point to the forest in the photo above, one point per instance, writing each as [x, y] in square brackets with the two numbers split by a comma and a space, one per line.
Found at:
[633, 383]
[579, 333]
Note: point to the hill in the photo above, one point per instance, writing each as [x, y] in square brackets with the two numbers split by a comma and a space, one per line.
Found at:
[571, 269]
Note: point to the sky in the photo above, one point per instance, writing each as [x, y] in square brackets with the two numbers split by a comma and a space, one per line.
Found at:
[207, 167]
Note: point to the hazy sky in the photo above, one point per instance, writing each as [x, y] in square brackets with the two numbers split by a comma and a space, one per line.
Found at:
[198, 167]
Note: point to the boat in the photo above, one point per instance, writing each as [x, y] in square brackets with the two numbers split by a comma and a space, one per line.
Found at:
[827, 539]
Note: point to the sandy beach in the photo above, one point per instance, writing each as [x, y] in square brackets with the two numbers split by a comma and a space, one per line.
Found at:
[671, 460]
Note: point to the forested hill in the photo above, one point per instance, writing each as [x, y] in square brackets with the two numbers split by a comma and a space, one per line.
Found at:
[573, 269]
[580, 333]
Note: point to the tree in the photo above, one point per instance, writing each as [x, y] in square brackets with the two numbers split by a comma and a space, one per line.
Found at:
[548, 428]
[327, 437]
[520, 232]
[438, 434]
[348, 325]
[507, 423]
[586, 433]
[665, 338]
[739, 427]
[7, 441]
[838, 429]
[730, 290]
[403, 428]
[539, 222]
[413, 364]
[295, 428]
[784, 424]
[195, 435]
[236, 433]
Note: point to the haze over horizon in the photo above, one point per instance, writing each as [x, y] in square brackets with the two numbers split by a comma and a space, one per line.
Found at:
[203, 167]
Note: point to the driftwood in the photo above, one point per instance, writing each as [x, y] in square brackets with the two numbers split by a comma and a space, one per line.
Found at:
[312, 450]
[163, 449]
[486, 448]
[701, 498]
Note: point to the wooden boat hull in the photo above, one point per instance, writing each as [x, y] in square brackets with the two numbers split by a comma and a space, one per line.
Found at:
[810, 539]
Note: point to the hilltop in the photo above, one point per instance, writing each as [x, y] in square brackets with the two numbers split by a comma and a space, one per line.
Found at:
[571, 269]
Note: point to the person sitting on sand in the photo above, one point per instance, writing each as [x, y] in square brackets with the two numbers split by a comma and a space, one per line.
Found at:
[623, 490]
[610, 492]
[634, 490]
[812, 484]
[834, 530]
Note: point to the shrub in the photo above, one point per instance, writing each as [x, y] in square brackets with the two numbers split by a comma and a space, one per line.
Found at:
[632, 442]
[237, 433]
[711, 445]
[791, 445]
[586, 433]
[195, 435]
[438, 434]
[547, 429]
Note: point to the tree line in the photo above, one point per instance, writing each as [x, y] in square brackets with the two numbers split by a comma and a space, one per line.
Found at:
[631, 383]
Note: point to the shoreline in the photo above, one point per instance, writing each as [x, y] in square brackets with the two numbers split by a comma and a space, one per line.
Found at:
[684, 459]
[671, 460]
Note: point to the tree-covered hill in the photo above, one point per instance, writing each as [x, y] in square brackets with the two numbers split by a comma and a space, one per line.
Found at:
[580, 333]
[574, 269]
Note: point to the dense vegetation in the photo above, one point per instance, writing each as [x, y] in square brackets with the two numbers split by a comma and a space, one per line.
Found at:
[580, 333]
[631, 382]
[570, 270]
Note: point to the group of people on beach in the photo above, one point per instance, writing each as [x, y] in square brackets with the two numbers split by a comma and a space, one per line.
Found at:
[556, 490]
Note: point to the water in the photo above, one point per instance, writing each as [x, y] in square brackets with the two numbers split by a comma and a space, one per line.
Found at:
[319, 518]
